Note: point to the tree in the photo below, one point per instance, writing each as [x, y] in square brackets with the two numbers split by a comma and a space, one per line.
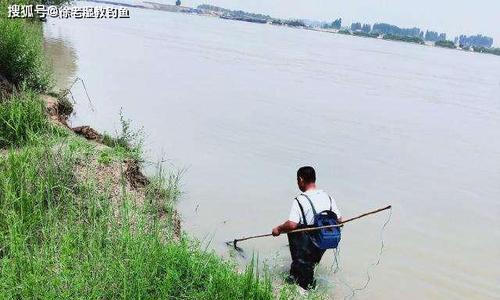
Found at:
[366, 28]
[385, 28]
[178, 2]
[356, 26]
[431, 36]
[337, 23]
[334, 25]
[475, 40]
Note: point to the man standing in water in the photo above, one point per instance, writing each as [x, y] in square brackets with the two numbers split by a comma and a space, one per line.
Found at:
[305, 255]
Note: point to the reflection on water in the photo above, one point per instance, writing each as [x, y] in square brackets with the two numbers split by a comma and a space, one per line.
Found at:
[243, 105]
[62, 57]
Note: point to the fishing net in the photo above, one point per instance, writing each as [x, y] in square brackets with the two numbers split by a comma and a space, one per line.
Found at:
[336, 268]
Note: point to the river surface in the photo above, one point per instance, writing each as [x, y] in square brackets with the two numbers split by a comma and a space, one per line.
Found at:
[241, 106]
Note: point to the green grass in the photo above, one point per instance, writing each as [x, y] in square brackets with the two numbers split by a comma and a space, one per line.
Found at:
[61, 239]
[22, 119]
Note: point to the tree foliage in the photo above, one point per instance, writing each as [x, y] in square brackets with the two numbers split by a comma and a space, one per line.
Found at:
[367, 28]
[433, 36]
[356, 26]
[334, 25]
[495, 51]
[385, 28]
[474, 41]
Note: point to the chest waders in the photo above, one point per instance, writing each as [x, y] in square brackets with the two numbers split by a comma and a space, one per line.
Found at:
[305, 254]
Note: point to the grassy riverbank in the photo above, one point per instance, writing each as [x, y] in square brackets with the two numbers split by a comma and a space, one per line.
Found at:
[77, 217]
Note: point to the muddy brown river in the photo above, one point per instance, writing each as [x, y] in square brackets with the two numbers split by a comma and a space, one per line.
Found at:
[241, 106]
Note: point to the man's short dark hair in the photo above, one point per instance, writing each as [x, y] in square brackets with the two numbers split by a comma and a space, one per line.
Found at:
[307, 174]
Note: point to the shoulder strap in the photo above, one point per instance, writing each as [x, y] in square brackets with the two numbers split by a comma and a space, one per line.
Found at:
[302, 211]
[310, 202]
[330, 202]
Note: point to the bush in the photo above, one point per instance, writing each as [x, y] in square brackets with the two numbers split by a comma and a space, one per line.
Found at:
[445, 44]
[21, 53]
[408, 39]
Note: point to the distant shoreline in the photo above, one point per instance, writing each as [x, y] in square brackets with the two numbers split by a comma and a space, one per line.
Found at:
[222, 13]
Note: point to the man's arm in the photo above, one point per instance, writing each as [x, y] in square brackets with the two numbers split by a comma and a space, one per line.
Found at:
[285, 227]
[292, 223]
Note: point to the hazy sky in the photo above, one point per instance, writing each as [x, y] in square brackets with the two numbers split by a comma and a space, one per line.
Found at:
[450, 16]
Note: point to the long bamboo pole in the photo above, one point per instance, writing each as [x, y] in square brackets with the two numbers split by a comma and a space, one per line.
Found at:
[312, 228]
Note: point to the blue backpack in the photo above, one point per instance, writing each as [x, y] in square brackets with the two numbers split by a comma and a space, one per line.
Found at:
[326, 238]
